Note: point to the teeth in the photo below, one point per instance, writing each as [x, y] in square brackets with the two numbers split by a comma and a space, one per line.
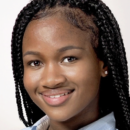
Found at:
[57, 96]
[66, 93]
[52, 96]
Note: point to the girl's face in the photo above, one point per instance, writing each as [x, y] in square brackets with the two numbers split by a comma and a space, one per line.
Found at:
[61, 70]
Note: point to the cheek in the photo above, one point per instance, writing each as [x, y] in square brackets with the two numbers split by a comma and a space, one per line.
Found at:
[31, 80]
[85, 73]
[86, 76]
[90, 77]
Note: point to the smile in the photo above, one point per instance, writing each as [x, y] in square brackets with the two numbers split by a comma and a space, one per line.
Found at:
[57, 98]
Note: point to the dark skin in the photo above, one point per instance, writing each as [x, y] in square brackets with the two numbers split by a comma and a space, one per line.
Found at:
[58, 56]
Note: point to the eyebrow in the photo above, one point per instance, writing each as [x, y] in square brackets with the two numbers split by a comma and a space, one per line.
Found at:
[69, 48]
[59, 50]
[31, 53]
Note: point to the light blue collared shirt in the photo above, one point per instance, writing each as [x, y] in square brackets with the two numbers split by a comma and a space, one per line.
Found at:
[105, 123]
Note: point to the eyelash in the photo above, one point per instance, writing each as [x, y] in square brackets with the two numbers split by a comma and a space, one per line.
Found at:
[39, 63]
[75, 58]
[33, 62]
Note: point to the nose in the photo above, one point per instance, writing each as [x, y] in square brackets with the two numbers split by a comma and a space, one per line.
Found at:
[52, 76]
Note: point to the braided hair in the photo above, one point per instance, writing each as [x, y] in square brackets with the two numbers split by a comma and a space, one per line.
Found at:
[114, 94]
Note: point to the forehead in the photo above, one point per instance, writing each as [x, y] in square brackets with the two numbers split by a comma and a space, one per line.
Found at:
[54, 31]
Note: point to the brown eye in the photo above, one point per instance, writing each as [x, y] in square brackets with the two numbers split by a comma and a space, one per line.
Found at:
[35, 63]
[69, 59]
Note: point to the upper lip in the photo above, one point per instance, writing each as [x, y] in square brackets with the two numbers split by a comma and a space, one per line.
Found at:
[53, 92]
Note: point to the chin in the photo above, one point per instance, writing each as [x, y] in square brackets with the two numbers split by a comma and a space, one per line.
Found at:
[60, 116]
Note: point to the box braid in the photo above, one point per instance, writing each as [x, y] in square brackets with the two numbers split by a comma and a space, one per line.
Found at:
[110, 49]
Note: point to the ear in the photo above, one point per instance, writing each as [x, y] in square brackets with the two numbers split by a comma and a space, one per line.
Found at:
[103, 69]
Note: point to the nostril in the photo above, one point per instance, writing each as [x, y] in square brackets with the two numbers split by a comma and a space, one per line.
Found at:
[53, 81]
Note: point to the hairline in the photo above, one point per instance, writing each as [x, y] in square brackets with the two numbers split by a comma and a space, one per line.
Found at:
[91, 28]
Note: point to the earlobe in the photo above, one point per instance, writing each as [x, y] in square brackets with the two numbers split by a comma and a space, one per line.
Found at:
[106, 72]
[104, 69]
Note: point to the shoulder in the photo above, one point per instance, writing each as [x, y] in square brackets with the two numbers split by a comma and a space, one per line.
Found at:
[34, 126]
[41, 124]
[105, 123]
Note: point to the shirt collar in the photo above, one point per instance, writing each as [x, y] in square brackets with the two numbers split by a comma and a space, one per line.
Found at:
[105, 123]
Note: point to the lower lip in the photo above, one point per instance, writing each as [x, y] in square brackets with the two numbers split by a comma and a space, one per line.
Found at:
[56, 101]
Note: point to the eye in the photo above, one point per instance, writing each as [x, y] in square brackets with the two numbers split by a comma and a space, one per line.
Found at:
[35, 63]
[69, 59]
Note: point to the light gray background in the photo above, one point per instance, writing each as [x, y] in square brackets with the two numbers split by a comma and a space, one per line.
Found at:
[9, 9]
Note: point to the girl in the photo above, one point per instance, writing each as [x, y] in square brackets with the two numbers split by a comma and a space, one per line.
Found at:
[69, 63]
